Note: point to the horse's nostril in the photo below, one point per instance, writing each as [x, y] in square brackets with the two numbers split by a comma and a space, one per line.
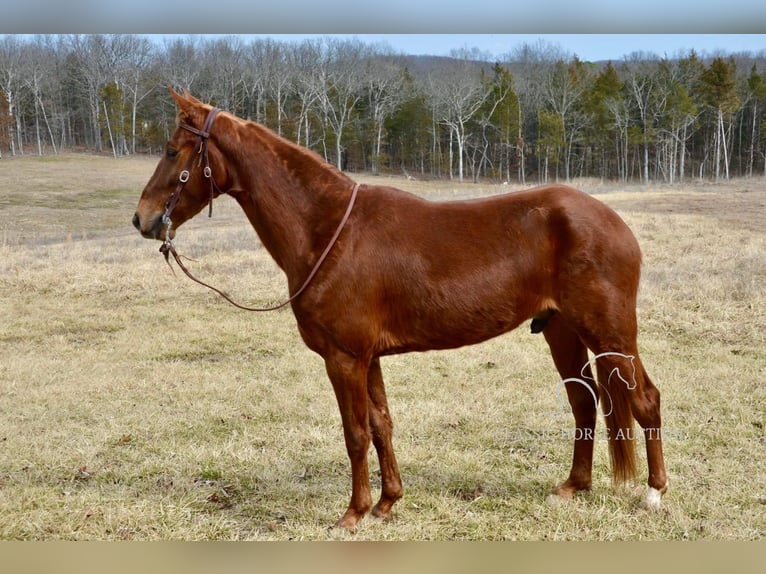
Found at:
[136, 222]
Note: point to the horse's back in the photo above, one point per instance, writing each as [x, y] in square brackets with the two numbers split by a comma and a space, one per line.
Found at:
[487, 227]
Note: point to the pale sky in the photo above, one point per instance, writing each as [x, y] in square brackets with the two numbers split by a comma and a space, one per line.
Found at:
[592, 29]
[591, 47]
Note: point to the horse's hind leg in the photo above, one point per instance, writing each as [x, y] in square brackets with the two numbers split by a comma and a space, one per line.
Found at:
[645, 406]
[631, 395]
[571, 359]
[382, 429]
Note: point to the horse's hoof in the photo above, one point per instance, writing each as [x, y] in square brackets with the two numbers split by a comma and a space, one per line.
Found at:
[348, 522]
[382, 511]
[565, 492]
[555, 499]
[339, 533]
[560, 495]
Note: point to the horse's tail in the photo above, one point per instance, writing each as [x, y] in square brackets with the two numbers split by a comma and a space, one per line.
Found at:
[617, 380]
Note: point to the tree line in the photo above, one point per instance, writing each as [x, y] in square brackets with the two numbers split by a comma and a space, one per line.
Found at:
[537, 114]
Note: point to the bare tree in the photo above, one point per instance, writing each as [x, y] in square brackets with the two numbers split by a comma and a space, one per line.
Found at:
[223, 65]
[180, 63]
[269, 81]
[676, 113]
[255, 80]
[341, 77]
[619, 112]
[139, 57]
[278, 79]
[458, 94]
[386, 91]
[642, 84]
[563, 89]
[718, 89]
[306, 85]
[94, 57]
[38, 60]
[530, 63]
[10, 83]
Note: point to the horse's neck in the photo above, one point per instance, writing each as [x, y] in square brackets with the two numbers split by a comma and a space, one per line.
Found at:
[290, 201]
[283, 231]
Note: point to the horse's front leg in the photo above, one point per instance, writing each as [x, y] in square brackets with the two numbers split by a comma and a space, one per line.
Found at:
[349, 381]
[382, 428]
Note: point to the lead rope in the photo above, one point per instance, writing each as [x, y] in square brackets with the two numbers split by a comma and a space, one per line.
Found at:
[168, 248]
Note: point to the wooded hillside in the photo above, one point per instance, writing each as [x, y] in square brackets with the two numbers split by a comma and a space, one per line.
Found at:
[538, 114]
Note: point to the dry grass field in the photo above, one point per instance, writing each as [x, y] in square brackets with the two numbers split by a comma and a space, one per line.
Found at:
[135, 405]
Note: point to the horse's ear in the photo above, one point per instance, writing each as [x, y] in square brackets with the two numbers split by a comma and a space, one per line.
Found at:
[182, 101]
[186, 104]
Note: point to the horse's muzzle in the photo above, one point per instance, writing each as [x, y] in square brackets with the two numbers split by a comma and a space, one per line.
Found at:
[152, 232]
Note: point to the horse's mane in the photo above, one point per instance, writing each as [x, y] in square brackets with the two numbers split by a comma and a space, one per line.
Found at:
[305, 164]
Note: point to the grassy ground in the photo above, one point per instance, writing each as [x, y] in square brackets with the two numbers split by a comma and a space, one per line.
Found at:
[136, 405]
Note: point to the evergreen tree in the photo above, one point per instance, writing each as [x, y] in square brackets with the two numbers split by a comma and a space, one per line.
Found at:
[604, 132]
[718, 89]
[756, 95]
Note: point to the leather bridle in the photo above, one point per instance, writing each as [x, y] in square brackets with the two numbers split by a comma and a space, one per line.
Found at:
[168, 247]
[202, 138]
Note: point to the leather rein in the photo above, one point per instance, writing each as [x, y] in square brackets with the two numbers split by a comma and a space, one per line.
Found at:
[168, 247]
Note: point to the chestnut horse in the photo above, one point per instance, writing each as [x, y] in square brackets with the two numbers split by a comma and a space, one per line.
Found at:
[398, 273]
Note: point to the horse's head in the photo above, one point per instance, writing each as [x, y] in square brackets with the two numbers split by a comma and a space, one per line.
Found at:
[187, 176]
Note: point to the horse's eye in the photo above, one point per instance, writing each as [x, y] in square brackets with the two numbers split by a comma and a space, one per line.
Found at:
[171, 153]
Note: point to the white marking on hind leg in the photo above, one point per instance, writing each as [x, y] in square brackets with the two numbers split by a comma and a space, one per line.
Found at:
[652, 499]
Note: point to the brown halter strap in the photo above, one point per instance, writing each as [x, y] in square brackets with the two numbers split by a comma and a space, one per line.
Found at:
[168, 248]
[202, 138]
